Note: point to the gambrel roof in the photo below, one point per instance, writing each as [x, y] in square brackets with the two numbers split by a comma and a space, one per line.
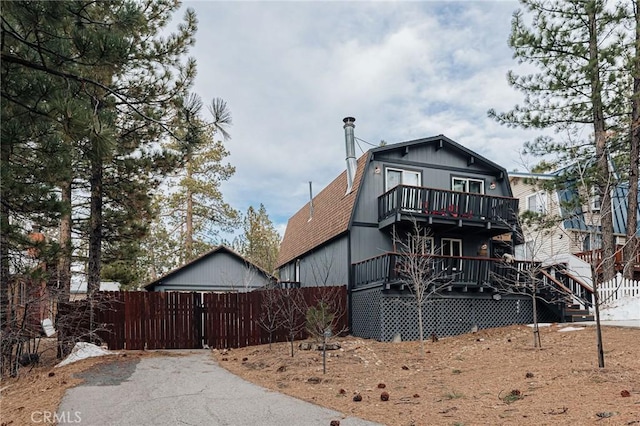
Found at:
[332, 209]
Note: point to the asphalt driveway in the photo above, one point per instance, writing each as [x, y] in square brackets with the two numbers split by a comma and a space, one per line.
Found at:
[183, 390]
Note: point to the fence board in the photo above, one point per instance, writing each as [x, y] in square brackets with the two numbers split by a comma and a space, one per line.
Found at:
[157, 320]
[618, 288]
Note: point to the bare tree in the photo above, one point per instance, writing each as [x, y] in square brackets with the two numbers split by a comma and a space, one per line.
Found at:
[530, 278]
[270, 319]
[420, 267]
[292, 311]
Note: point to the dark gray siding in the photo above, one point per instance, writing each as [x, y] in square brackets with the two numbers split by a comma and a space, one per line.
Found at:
[438, 167]
[327, 265]
[287, 272]
[219, 272]
[367, 242]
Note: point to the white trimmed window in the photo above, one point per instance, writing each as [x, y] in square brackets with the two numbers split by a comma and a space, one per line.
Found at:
[474, 186]
[452, 247]
[395, 177]
[537, 202]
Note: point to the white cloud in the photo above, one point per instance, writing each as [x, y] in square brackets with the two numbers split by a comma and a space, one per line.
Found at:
[290, 71]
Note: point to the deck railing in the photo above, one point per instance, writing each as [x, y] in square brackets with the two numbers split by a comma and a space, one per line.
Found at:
[450, 204]
[455, 270]
[594, 257]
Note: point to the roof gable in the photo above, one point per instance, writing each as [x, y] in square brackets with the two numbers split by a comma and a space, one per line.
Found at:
[217, 250]
[443, 142]
[332, 210]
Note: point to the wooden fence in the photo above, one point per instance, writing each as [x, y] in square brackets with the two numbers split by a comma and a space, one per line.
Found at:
[618, 288]
[176, 320]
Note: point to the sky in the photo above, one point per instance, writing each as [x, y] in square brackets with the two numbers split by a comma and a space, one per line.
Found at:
[291, 71]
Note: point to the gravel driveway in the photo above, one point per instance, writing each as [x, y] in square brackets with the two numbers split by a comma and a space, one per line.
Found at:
[190, 389]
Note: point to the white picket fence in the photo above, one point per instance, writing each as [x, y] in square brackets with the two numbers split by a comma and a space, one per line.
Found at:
[618, 288]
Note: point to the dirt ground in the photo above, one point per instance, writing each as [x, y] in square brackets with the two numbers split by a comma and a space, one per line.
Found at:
[493, 377]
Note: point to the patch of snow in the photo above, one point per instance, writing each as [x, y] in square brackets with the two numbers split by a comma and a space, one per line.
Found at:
[83, 350]
[624, 309]
[47, 326]
[570, 329]
[541, 324]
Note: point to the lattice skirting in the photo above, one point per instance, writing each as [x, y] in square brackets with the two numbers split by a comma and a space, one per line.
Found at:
[381, 316]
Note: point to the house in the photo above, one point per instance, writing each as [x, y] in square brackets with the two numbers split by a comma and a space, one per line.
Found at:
[575, 237]
[78, 289]
[32, 289]
[461, 201]
[219, 270]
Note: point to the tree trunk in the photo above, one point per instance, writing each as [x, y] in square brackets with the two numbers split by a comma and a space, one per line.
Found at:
[95, 231]
[291, 338]
[630, 250]
[536, 327]
[596, 304]
[602, 157]
[64, 259]
[421, 329]
[188, 238]
[4, 263]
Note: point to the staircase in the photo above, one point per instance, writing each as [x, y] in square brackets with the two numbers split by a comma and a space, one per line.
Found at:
[566, 294]
[574, 313]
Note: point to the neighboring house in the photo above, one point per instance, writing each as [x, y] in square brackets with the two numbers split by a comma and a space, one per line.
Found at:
[461, 200]
[79, 287]
[220, 270]
[577, 232]
[32, 288]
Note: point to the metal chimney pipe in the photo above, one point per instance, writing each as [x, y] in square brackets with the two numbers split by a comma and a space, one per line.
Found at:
[349, 141]
[310, 201]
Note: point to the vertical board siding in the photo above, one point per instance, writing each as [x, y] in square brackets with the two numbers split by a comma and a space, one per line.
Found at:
[172, 320]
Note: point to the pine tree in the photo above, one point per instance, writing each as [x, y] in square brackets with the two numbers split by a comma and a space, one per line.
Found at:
[121, 75]
[188, 220]
[260, 241]
[575, 46]
[630, 250]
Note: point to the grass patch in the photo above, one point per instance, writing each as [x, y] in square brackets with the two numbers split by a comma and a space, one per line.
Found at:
[512, 396]
[452, 395]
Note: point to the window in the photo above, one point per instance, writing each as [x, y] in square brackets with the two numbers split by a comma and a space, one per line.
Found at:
[468, 205]
[588, 244]
[395, 177]
[452, 247]
[595, 200]
[420, 244]
[474, 186]
[410, 199]
[529, 249]
[537, 203]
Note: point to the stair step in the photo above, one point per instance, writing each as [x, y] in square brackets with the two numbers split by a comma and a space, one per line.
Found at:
[579, 318]
[569, 312]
